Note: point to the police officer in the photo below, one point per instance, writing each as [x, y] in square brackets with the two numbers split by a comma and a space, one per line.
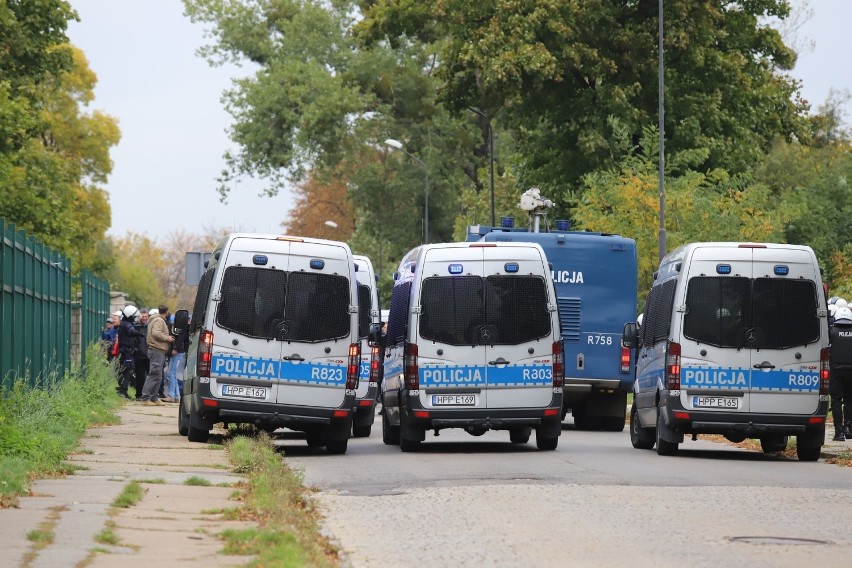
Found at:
[840, 379]
[127, 343]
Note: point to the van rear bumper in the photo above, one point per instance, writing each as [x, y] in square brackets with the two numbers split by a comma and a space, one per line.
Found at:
[747, 424]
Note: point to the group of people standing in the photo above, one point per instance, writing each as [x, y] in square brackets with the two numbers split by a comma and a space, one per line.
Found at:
[150, 357]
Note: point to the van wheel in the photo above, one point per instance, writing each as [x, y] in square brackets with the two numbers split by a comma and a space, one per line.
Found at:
[773, 443]
[546, 444]
[520, 435]
[390, 434]
[183, 419]
[807, 453]
[336, 447]
[641, 438]
[613, 423]
[361, 431]
[664, 448]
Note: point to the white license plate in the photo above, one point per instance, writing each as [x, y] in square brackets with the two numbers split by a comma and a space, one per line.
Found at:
[715, 402]
[244, 392]
[453, 400]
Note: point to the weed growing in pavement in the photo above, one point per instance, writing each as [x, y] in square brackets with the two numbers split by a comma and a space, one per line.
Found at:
[40, 537]
[107, 536]
[288, 532]
[39, 427]
[130, 495]
[153, 481]
[195, 480]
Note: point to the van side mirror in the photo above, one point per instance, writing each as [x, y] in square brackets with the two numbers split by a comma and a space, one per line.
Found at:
[181, 322]
[374, 338]
[629, 337]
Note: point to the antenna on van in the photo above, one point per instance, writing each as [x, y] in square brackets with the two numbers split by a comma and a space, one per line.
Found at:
[532, 201]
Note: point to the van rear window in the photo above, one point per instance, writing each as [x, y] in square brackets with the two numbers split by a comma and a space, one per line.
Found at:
[199, 309]
[498, 310]
[365, 304]
[274, 304]
[764, 313]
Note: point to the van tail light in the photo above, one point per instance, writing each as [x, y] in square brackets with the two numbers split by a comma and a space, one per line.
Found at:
[673, 366]
[409, 363]
[625, 360]
[377, 369]
[353, 370]
[558, 364]
[824, 373]
[205, 354]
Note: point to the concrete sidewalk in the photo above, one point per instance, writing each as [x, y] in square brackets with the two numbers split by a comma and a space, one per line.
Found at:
[173, 525]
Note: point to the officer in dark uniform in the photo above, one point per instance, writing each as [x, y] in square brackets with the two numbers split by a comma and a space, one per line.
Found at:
[840, 381]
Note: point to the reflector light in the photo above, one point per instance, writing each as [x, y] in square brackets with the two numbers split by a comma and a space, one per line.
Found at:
[365, 402]
[511, 267]
[455, 268]
[723, 268]
[260, 259]
[421, 414]
[507, 222]
[782, 270]
[212, 402]
[317, 264]
[341, 413]
[563, 225]
[551, 411]
[816, 419]
[681, 415]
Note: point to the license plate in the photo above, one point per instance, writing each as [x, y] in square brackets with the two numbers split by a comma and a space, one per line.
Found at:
[715, 402]
[244, 392]
[453, 400]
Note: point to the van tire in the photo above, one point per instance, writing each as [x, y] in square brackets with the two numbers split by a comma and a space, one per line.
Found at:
[361, 431]
[546, 443]
[183, 419]
[520, 435]
[613, 423]
[664, 447]
[641, 438]
[336, 447]
[390, 433]
[807, 453]
[773, 443]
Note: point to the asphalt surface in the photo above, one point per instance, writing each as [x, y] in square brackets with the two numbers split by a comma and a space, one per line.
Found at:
[384, 508]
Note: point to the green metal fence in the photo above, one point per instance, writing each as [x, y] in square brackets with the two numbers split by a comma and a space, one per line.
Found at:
[35, 309]
[94, 309]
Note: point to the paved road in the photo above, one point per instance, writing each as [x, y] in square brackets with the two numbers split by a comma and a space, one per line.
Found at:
[466, 501]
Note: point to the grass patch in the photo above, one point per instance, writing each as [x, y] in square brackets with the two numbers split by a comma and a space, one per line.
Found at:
[41, 425]
[195, 480]
[153, 481]
[40, 537]
[129, 496]
[107, 536]
[275, 498]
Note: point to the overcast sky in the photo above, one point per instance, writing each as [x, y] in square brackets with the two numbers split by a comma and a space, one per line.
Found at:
[173, 125]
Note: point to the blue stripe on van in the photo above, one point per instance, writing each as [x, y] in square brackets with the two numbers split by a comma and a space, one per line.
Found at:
[274, 370]
[473, 376]
[779, 380]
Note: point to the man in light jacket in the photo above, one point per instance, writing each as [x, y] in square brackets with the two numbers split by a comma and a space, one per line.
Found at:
[158, 343]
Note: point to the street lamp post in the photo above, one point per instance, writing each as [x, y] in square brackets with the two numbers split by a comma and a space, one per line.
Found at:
[661, 245]
[397, 145]
[490, 157]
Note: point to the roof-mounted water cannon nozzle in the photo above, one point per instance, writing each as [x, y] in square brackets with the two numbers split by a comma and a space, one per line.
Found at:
[532, 201]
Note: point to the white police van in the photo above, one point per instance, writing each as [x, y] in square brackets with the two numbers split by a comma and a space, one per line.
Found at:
[371, 369]
[473, 342]
[274, 339]
[734, 341]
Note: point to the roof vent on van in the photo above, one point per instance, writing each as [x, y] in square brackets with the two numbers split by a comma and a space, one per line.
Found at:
[317, 264]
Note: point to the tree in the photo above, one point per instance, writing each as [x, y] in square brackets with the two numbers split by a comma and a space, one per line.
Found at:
[556, 71]
[319, 200]
[140, 268]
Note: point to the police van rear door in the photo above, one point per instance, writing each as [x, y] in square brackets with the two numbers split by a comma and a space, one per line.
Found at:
[318, 326]
[716, 315]
[368, 304]
[450, 315]
[519, 332]
[245, 354]
[785, 334]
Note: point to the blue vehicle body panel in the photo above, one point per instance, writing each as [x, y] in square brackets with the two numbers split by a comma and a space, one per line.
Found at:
[595, 276]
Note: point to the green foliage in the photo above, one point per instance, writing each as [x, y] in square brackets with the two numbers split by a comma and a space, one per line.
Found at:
[138, 263]
[39, 428]
[129, 496]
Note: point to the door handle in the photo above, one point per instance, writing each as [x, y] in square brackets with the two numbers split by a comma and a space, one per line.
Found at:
[764, 365]
[499, 361]
[294, 357]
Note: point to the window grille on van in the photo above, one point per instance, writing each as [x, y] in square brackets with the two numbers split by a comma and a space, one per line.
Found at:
[202, 295]
[365, 304]
[497, 310]
[273, 304]
[718, 310]
[658, 313]
[784, 312]
[398, 314]
[317, 307]
[570, 316]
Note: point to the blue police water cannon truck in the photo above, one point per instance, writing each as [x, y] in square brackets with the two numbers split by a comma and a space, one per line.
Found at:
[595, 276]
